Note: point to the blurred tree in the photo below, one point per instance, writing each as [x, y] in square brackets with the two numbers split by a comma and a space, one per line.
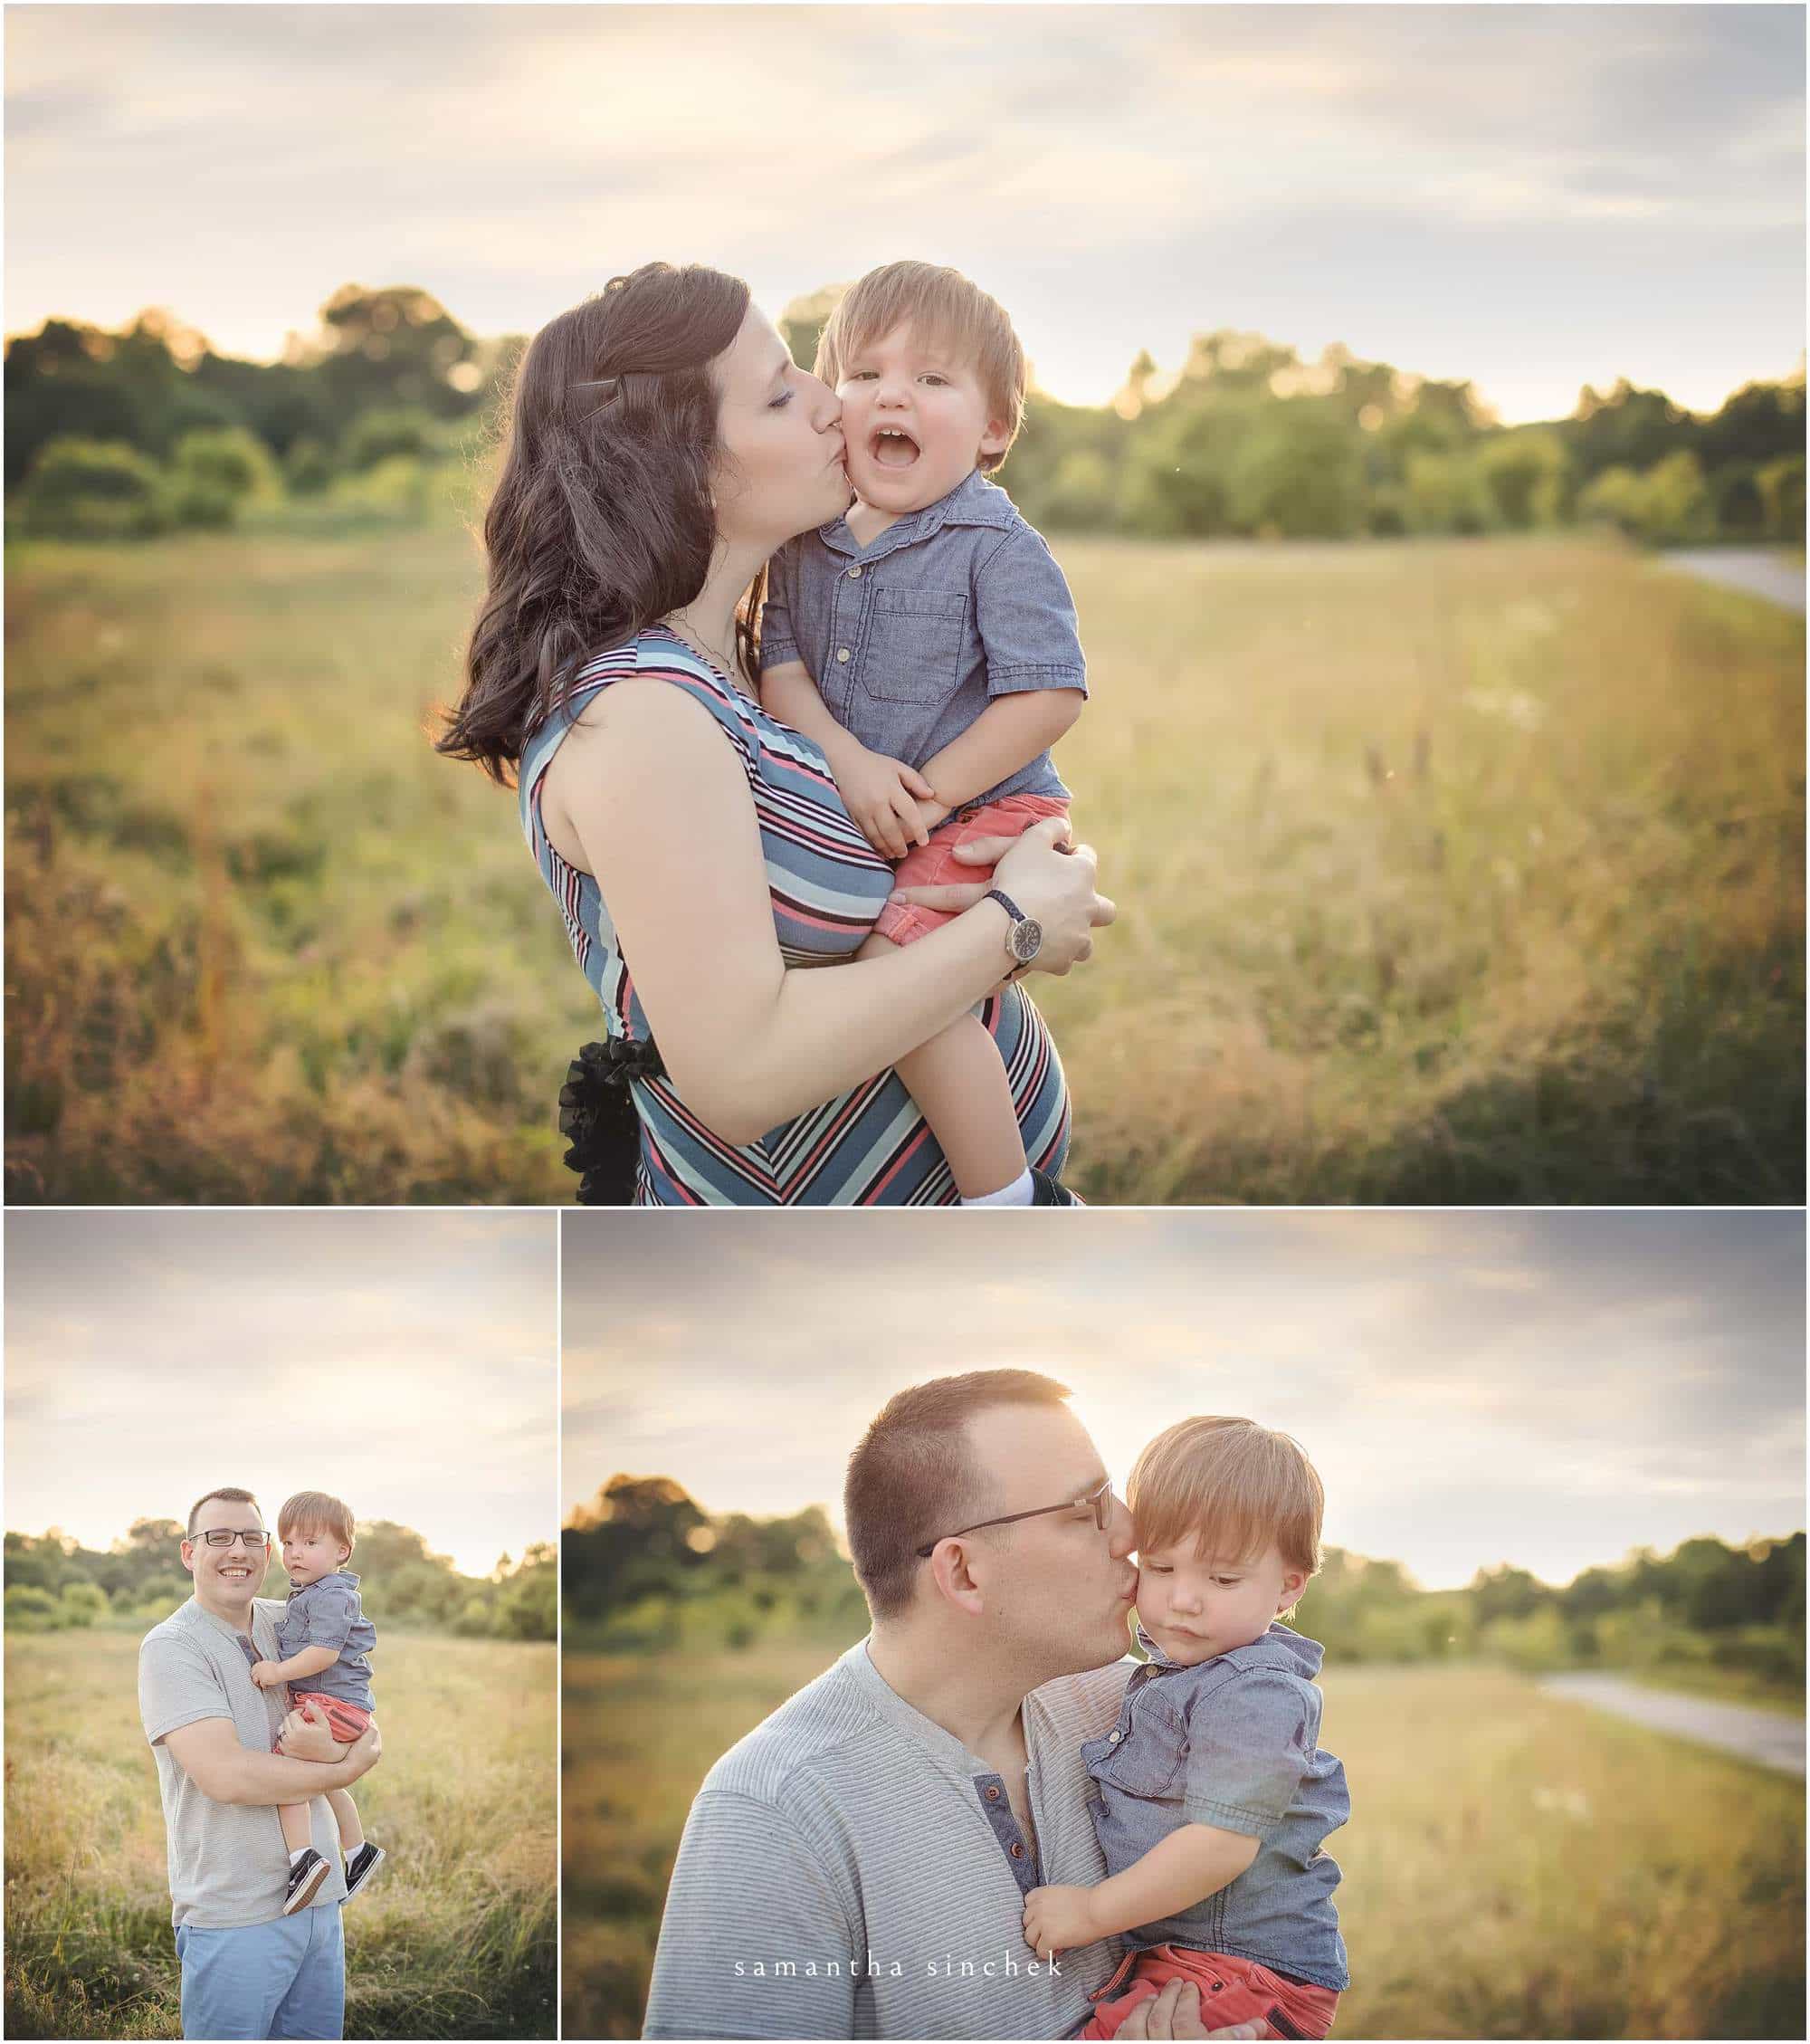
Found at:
[396, 346]
[802, 323]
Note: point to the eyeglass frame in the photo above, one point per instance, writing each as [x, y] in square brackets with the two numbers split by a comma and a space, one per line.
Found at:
[235, 1534]
[1101, 1500]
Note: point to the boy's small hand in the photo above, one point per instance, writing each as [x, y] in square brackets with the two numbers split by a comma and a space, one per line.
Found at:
[892, 804]
[265, 1675]
[1058, 1919]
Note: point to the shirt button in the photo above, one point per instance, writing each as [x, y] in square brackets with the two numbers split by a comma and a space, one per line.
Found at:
[993, 1795]
[1017, 1851]
[1114, 1740]
[854, 574]
[843, 654]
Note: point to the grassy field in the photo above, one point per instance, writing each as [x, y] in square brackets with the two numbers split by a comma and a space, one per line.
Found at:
[1447, 871]
[458, 1933]
[1515, 1867]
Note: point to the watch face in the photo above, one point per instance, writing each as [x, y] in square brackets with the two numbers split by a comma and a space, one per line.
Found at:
[1026, 940]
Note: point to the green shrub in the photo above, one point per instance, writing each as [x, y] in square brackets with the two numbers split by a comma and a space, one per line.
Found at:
[93, 490]
[32, 1609]
[81, 1603]
[380, 436]
[228, 459]
[308, 469]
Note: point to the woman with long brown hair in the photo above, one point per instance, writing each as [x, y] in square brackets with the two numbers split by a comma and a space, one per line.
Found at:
[662, 445]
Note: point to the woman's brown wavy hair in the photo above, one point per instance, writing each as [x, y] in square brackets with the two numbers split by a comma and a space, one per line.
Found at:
[602, 521]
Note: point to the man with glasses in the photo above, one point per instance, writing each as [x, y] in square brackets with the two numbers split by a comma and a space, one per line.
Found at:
[247, 1969]
[857, 1866]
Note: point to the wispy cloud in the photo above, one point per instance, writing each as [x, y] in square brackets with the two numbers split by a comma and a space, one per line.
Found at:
[403, 1360]
[1550, 1389]
[1439, 186]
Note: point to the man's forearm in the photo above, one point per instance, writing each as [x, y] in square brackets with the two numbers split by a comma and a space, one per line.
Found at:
[270, 1778]
[1007, 736]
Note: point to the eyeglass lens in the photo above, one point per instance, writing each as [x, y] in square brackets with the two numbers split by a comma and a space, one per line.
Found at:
[223, 1536]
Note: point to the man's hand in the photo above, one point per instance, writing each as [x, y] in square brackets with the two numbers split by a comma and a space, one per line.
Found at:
[1059, 1919]
[892, 804]
[1175, 2013]
[267, 1675]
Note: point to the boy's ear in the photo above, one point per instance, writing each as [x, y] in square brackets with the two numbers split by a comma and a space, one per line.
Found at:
[1293, 1584]
[997, 438]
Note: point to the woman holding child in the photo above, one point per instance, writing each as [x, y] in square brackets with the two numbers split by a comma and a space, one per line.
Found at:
[663, 447]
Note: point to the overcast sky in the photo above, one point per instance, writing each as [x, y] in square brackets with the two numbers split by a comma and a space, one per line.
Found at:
[1550, 1389]
[405, 1362]
[1534, 197]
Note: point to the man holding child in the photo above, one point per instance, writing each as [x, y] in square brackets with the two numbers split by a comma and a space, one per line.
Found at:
[833, 1881]
[247, 1969]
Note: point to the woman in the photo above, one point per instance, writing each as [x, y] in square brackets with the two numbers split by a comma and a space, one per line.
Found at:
[662, 445]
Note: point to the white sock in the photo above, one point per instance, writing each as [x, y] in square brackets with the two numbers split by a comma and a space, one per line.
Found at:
[298, 1853]
[1021, 1192]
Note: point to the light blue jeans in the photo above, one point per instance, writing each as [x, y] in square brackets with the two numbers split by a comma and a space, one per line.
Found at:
[280, 1979]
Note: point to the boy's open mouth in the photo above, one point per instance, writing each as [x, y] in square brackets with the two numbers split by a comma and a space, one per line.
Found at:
[890, 447]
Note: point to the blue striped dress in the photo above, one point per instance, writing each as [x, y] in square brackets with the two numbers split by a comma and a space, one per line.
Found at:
[867, 1148]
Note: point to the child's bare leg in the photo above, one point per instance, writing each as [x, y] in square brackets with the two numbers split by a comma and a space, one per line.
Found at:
[298, 1833]
[961, 1090]
[346, 1815]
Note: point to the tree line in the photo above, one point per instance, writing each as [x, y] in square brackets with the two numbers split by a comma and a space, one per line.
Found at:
[149, 427]
[645, 1568]
[53, 1582]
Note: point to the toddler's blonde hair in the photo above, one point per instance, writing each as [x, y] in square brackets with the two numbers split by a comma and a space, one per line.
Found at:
[1232, 1487]
[944, 310]
[313, 1511]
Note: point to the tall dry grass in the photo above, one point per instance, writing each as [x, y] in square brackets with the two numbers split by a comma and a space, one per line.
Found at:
[457, 1935]
[1447, 871]
[1514, 1866]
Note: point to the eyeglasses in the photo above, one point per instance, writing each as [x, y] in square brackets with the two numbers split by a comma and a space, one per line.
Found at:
[223, 1536]
[1099, 1502]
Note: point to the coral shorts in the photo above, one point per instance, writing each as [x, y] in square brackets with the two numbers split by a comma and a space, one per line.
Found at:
[345, 1721]
[1232, 1990]
[930, 865]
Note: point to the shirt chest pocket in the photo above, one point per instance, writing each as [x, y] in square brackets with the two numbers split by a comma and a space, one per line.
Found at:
[1147, 1762]
[914, 645]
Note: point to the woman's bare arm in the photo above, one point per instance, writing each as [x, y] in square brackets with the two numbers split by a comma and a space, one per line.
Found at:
[646, 794]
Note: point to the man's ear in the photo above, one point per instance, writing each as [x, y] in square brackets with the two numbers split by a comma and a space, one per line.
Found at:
[188, 1555]
[953, 1577]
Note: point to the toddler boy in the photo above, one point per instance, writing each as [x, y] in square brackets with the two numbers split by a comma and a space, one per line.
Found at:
[927, 641]
[325, 1639]
[1213, 1794]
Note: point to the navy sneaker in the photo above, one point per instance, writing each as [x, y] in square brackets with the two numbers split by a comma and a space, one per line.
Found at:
[1047, 1191]
[304, 1881]
[361, 1866]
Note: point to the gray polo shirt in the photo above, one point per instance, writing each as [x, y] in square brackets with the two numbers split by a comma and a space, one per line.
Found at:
[850, 1869]
[228, 1865]
[911, 637]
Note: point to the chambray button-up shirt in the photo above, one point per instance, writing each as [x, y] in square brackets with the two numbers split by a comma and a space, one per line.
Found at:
[327, 1612]
[1233, 1742]
[911, 638]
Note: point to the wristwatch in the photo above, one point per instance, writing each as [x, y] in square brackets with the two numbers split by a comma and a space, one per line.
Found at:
[1025, 939]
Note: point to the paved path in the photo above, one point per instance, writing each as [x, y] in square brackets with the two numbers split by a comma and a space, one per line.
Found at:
[1758, 573]
[1764, 1737]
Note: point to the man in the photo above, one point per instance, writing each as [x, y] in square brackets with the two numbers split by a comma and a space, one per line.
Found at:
[247, 1969]
[857, 1866]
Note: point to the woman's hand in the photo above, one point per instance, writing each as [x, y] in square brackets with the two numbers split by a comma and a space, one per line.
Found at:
[1049, 881]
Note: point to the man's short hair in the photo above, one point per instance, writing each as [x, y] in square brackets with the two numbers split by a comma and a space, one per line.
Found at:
[912, 1478]
[1231, 1487]
[943, 308]
[229, 1494]
[313, 1511]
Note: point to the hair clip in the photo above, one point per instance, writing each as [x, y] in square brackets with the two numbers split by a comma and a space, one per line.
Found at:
[611, 386]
